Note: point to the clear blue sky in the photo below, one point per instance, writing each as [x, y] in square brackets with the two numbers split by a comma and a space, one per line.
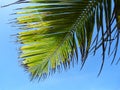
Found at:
[13, 76]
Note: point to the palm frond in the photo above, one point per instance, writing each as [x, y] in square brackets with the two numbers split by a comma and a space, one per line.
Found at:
[54, 29]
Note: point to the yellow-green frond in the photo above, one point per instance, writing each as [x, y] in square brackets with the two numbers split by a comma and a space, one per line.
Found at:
[54, 31]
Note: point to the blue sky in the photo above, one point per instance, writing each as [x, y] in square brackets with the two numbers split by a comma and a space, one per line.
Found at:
[13, 76]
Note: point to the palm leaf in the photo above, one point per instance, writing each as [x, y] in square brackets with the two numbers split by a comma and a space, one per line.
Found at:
[54, 31]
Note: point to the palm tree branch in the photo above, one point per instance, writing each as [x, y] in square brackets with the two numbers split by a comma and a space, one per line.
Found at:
[50, 29]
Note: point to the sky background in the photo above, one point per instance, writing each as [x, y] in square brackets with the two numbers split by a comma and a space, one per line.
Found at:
[13, 76]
